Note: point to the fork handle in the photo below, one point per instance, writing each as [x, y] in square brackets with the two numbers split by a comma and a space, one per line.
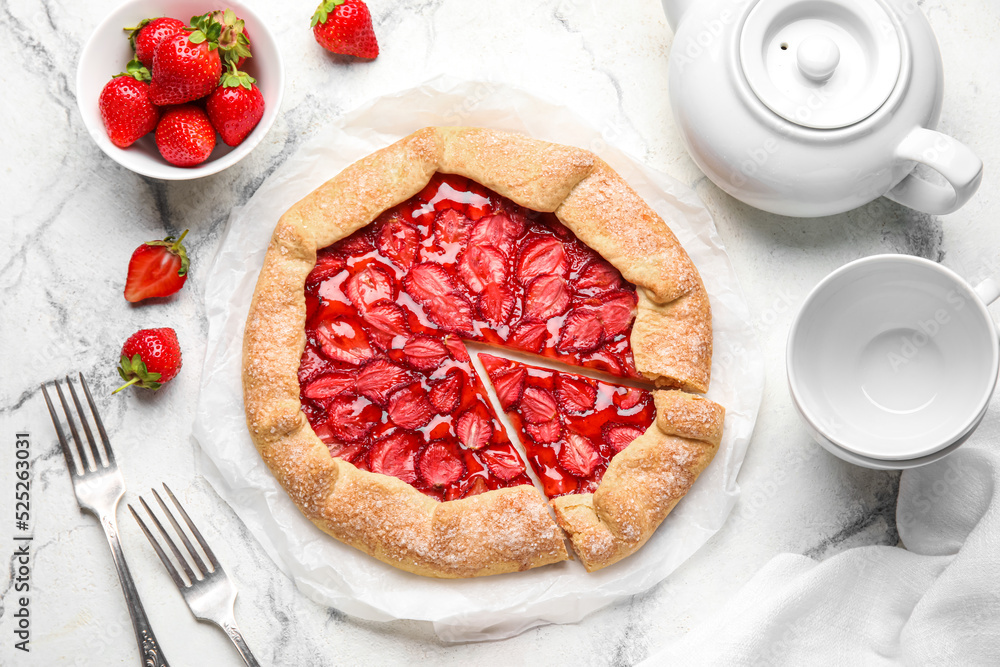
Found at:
[149, 648]
[229, 625]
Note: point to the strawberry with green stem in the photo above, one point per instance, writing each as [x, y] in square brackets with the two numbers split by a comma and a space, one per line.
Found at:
[236, 106]
[149, 358]
[126, 109]
[187, 66]
[148, 33]
[345, 27]
[157, 268]
[234, 42]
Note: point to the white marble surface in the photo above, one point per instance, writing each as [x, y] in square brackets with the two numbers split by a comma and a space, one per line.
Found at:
[73, 217]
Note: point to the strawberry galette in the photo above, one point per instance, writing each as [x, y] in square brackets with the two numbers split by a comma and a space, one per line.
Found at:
[361, 396]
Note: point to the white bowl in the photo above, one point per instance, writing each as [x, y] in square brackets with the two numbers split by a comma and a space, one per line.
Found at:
[893, 359]
[108, 51]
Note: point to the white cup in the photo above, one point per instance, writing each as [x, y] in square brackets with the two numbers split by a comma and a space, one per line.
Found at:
[892, 360]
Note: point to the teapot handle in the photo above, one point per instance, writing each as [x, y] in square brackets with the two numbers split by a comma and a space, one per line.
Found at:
[952, 159]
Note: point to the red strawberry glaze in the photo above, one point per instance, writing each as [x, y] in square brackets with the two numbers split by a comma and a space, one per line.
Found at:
[571, 426]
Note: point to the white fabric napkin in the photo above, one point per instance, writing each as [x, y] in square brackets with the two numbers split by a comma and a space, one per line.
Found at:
[934, 602]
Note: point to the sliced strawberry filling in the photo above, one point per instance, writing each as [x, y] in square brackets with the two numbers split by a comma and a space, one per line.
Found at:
[571, 426]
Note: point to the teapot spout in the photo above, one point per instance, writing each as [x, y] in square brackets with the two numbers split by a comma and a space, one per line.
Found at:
[675, 10]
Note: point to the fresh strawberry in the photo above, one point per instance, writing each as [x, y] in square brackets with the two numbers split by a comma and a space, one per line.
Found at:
[345, 27]
[546, 297]
[627, 398]
[543, 255]
[508, 386]
[157, 268]
[578, 455]
[235, 107]
[425, 353]
[538, 405]
[598, 277]
[398, 242]
[343, 341]
[581, 332]
[186, 66]
[185, 136]
[530, 336]
[125, 107]
[145, 36]
[439, 464]
[409, 407]
[234, 42]
[496, 305]
[379, 379]
[575, 394]
[370, 284]
[452, 227]
[149, 358]
[352, 418]
[482, 265]
[619, 436]
[385, 322]
[395, 455]
[446, 392]
[328, 386]
[546, 432]
[473, 428]
[616, 311]
[504, 463]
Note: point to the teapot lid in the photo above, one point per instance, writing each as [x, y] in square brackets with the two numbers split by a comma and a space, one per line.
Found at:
[821, 63]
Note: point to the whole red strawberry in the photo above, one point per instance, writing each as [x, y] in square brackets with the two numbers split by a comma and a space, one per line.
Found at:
[185, 136]
[235, 107]
[149, 358]
[234, 41]
[157, 268]
[345, 26]
[149, 33]
[125, 107]
[186, 66]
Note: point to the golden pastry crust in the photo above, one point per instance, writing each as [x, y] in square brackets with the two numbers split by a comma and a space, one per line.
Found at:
[503, 530]
[644, 481]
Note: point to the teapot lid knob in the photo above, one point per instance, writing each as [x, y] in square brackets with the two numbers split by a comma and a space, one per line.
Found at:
[818, 57]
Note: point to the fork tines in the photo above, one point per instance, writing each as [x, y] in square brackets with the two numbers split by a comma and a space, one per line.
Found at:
[86, 459]
[194, 567]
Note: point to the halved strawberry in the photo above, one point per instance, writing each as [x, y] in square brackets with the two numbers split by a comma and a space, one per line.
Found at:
[395, 455]
[496, 305]
[546, 432]
[503, 462]
[409, 407]
[575, 394]
[627, 398]
[603, 359]
[157, 268]
[530, 336]
[452, 312]
[385, 322]
[327, 264]
[492, 230]
[425, 353]
[431, 286]
[578, 455]
[370, 284]
[456, 347]
[351, 418]
[473, 428]
[380, 378]
[581, 332]
[398, 241]
[616, 312]
[327, 386]
[342, 450]
[427, 280]
[538, 405]
[357, 244]
[311, 365]
[446, 392]
[508, 385]
[482, 265]
[514, 223]
[451, 226]
[477, 486]
[619, 436]
[546, 297]
[344, 341]
[440, 465]
[598, 277]
[543, 255]
[494, 364]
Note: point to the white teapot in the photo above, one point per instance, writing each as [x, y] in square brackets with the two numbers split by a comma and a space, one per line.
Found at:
[815, 107]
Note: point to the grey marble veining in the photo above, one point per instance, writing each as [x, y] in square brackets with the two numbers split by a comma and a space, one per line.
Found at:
[72, 218]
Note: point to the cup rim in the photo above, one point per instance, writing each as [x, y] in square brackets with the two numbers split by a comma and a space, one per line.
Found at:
[796, 383]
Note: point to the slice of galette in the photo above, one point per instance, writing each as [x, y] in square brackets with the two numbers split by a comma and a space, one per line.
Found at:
[358, 389]
[613, 459]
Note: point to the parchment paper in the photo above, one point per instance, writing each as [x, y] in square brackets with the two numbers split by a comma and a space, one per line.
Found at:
[491, 607]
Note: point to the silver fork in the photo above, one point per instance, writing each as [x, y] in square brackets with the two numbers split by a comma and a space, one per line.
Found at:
[99, 485]
[208, 591]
